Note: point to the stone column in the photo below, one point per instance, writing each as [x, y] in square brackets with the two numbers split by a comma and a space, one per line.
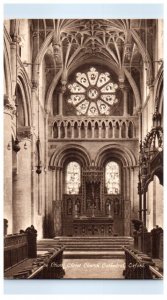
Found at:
[107, 131]
[33, 145]
[50, 202]
[100, 132]
[127, 203]
[114, 130]
[65, 129]
[62, 89]
[46, 174]
[57, 203]
[120, 127]
[86, 131]
[13, 64]
[22, 183]
[60, 103]
[79, 131]
[125, 101]
[8, 113]
[58, 129]
[72, 130]
[127, 127]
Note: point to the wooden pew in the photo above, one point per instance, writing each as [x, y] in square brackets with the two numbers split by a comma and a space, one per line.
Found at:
[22, 259]
[52, 264]
[15, 249]
[139, 265]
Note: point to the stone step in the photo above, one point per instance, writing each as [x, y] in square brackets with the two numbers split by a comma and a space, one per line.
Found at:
[93, 248]
[89, 246]
[95, 254]
[95, 242]
[87, 243]
[92, 237]
[95, 245]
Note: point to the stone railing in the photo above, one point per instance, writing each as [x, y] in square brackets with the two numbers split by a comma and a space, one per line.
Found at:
[94, 128]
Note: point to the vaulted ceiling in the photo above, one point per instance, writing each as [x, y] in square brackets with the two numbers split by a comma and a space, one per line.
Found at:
[124, 45]
[121, 42]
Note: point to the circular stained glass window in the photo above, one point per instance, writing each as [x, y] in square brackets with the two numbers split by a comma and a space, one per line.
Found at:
[93, 93]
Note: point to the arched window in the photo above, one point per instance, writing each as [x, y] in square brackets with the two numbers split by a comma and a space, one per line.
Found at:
[73, 178]
[112, 178]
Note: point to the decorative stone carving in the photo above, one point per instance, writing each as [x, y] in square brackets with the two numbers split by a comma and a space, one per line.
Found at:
[93, 93]
[51, 168]
[9, 107]
[24, 132]
[34, 84]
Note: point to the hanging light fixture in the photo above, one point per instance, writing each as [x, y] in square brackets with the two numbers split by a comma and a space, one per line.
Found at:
[38, 170]
[16, 146]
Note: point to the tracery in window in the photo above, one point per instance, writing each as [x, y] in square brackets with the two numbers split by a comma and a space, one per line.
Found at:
[93, 93]
[112, 178]
[73, 178]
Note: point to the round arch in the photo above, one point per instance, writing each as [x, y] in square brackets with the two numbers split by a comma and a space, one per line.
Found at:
[114, 151]
[68, 153]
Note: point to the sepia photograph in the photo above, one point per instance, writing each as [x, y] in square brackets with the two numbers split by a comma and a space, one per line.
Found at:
[83, 148]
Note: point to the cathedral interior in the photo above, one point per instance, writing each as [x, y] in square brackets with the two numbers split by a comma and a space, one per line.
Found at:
[83, 136]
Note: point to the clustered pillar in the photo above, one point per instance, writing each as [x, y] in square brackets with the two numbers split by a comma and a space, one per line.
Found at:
[22, 187]
[8, 113]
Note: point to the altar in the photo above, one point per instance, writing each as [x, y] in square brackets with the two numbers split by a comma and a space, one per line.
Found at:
[92, 212]
[92, 226]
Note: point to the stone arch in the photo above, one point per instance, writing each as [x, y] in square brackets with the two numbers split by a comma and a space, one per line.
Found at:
[126, 160]
[7, 71]
[24, 84]
[114, 68]
[89, 129]
[69, 152]
[115, 150]
[134, 88]
[22, 103]
[130, 130]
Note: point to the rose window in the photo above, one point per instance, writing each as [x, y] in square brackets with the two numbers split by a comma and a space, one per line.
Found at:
[93, 93]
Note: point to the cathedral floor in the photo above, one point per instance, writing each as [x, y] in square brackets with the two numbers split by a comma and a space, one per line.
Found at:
[93, 268]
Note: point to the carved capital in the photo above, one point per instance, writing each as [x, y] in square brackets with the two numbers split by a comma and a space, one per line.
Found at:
[62, 87]
[16, 39]
[9, 107]
[24, 132]
[51, 168]
[34, 84]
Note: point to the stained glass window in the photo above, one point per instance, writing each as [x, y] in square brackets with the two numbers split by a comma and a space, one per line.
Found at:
[93, 93]
[73, 178]
[112, 178]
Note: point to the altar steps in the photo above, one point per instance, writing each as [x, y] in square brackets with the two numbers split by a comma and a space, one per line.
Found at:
[94, 247]
[88, 247]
